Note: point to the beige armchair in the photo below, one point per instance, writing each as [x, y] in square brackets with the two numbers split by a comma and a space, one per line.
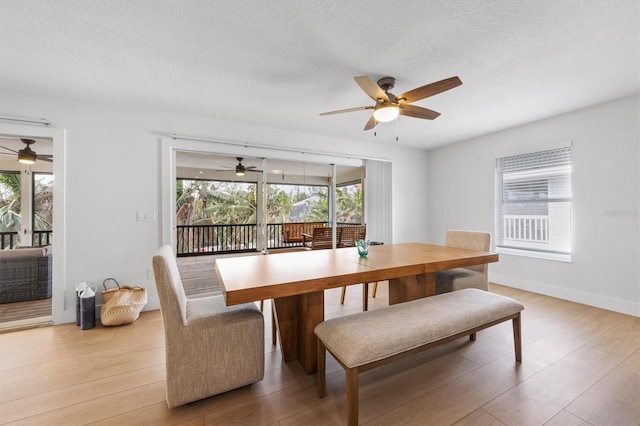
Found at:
[472, 276]
[210, 348]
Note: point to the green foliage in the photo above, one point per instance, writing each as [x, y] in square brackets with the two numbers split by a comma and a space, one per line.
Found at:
[349, 203]
[9, 202]
[200, 202]
[10, 190]
[43, 202]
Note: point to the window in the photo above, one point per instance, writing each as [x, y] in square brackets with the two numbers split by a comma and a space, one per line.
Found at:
[297, 203]
[10, 220]
[349, 202]
[42, 209]
[533, 204]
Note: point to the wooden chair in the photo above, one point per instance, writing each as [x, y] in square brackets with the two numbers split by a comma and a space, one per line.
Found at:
[322, 238]
[348, 238]
[472, 276]
[350, 234]
[200, 359]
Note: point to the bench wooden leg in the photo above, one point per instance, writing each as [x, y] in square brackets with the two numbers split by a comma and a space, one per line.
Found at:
[344, 290]
[517, 338]
[352, 396]
[472, 337]
[322, 359]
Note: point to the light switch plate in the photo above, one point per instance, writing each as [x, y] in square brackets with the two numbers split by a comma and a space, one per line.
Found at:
[145, 216]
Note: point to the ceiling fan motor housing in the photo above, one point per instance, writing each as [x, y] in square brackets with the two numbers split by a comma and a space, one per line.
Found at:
[387, 83]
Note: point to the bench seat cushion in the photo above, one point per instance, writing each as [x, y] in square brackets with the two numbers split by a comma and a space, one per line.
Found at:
[366, 337]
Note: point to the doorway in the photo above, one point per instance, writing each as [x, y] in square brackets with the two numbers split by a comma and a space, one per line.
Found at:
[35, 206]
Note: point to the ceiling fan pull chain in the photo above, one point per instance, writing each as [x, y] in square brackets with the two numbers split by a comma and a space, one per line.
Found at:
[397, 130]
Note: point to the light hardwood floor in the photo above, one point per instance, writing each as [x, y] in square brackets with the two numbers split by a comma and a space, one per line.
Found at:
[581, 366]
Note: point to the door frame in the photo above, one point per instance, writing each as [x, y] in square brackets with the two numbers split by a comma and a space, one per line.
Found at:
[58, 138]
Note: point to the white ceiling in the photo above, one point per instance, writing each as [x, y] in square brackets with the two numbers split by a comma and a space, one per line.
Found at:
[280, 63]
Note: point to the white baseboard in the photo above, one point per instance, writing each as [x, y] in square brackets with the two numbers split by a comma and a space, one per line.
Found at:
[70, 315]
[586, 298]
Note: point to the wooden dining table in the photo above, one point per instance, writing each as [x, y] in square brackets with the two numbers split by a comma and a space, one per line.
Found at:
[296, 282]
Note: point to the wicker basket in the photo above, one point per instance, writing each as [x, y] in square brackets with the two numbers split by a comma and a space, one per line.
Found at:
[121, 305]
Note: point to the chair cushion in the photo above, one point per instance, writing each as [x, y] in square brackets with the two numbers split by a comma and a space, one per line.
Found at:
[459, 278]
[212, 311]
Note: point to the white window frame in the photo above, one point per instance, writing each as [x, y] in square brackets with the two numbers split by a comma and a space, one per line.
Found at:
[538, 236]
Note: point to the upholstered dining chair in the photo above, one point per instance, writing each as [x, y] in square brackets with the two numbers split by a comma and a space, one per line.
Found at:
[469, 277]
[210, 348]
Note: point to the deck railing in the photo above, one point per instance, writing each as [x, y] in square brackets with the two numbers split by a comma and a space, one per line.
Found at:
[10, 240]
[195, 240]
[528, 228]
[209, 239]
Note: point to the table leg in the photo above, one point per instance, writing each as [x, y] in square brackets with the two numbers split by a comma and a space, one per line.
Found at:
[411, 288]
[365, 296]
[296, 318]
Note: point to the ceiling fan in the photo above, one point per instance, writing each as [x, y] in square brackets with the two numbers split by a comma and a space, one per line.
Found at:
[241, 169]
[388, 106]
[27, 155]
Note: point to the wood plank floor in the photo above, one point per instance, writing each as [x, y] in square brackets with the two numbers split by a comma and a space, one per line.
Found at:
[197, 272]
[581, 366]
[17, 311]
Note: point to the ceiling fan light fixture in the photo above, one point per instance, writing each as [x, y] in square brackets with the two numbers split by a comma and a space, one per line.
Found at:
[240, 170]
[386, 112]
[26, 156]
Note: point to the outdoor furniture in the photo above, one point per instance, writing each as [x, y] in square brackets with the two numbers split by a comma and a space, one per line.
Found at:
[468, 276]
[292, 233]
[322, 238]
[366, 340]
[210, 348]
[25, 274]
[350, 234]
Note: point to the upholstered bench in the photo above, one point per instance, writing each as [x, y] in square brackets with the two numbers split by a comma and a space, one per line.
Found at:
[369, 339]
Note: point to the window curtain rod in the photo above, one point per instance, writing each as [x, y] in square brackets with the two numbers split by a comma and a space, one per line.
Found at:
[43, 121]
[297, 150]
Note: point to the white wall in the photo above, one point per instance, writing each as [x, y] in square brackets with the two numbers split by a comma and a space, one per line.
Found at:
[112, 162]
[605, 269]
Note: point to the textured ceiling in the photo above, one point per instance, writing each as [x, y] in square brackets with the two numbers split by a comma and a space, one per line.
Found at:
[280, 63]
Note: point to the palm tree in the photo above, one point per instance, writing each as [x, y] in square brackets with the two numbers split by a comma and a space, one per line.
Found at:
[279, 204]
[10, 202]
[349, 203]
[43, 202]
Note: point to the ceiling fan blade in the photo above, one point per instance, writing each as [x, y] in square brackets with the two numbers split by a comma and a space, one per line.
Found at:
[340, 111]
[45, 157]
[9, 149]
[374, 91]
[371, 123]
[429, 90]
[418, 112]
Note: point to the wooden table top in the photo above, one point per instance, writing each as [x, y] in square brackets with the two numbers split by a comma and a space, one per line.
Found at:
[250, 278]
